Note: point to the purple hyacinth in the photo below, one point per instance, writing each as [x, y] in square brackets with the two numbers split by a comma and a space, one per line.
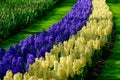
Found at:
[2, 53]
[30, 60]
[48, 47]
[14, 66]
[58, 39]
[41, 53]
[19, 65]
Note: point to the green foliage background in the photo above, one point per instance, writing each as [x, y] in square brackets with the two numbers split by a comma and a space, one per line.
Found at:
[16, 14]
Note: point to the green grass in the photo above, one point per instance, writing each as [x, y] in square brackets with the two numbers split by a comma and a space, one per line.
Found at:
[16, 13]
[111, 69]
[52, 17]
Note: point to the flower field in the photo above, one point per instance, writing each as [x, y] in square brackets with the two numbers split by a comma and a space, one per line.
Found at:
[65, 50]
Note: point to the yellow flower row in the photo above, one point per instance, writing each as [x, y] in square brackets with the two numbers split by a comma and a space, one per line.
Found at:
[69, 58]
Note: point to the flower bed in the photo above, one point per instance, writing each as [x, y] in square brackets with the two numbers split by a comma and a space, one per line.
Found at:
[19, 57]
[68, 59]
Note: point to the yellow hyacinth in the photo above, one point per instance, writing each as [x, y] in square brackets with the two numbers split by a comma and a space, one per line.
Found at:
[18, 76]
[26, 76]
[9, 75]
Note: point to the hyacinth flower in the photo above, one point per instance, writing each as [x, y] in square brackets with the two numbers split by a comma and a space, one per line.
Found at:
[2, 53]
[37, 45]
[30, 60]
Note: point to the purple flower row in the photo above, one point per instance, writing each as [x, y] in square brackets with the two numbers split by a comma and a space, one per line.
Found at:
[18, 58]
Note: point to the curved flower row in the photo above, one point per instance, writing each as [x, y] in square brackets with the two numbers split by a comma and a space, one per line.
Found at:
[24, 53]
[68, 59]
